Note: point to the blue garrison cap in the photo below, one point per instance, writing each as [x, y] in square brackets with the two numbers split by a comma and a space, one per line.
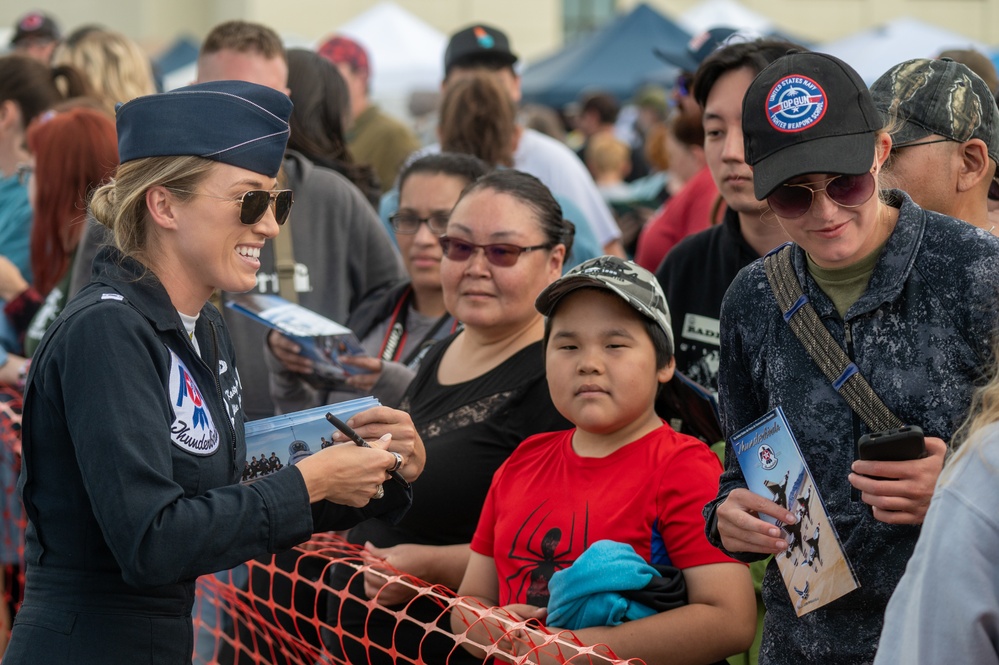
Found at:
[233, 122]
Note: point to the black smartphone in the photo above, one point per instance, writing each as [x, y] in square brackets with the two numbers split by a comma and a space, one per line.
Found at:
[356, 438]
[894, 445]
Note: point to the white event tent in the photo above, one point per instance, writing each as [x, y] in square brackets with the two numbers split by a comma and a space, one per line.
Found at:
[872, 52]
[728, 13]
[406, 54]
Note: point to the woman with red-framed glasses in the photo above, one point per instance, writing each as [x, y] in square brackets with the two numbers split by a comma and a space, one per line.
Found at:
[910, 298]
[477, 395]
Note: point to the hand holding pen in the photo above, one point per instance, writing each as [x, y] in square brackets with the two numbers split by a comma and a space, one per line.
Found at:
[356, 438]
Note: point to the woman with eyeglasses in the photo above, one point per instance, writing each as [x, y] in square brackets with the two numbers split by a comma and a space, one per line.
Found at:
[909, 295]
[476, 396]
[396, 326]
[133, 442]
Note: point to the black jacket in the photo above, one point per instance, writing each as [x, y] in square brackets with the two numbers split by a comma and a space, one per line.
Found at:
[694, 276]
[133, 449]
[920, 334]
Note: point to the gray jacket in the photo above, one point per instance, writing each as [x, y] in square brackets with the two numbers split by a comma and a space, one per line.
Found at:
[946, 607]
[920, 335]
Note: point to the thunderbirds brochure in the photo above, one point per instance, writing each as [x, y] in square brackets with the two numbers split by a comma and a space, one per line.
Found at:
[814, 567]
[322, 340]
[273, 443]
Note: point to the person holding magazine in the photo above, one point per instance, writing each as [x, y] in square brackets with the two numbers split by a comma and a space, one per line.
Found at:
[908, 295]
[396, 326]
[133, 440]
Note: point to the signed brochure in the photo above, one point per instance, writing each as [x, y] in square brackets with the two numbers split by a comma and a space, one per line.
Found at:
[273, 443]
[814, 567]
[322, 340]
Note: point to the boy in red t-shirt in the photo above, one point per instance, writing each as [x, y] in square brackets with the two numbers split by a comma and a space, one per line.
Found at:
[621, 475]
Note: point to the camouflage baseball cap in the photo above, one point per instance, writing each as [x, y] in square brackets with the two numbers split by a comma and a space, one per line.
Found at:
[633, 283]
[938, 97]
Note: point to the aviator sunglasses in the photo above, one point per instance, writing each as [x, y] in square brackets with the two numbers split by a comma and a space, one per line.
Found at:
[498, 254]
[848, 191]
[253, 204]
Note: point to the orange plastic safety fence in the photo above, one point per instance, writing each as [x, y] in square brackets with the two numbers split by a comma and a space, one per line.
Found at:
[275, 611]
[12, 519]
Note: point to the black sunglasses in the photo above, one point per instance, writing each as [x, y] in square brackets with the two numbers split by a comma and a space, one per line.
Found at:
[254, 203]
[408, 222]
[498, 254]
[848, 191]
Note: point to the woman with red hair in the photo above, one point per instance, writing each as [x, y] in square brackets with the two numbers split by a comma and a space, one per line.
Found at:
[73, 151]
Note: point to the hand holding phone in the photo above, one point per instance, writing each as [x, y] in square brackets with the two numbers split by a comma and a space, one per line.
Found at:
[894, 445]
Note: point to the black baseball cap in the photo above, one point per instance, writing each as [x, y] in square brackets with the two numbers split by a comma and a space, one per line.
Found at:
[477, 43]
[807, 113]
[35, 25]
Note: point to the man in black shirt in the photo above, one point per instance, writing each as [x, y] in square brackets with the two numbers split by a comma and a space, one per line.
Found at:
[696, 273]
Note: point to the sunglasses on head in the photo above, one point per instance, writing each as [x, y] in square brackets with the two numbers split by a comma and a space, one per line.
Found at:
[254, 203]
[849, 191]
[408, 222]
[498, 254]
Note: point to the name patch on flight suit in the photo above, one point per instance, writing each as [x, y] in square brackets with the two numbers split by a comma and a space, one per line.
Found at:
[192, 429]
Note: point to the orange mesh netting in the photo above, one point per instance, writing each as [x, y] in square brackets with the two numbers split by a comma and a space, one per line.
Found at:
[11, 516]
[274, 611]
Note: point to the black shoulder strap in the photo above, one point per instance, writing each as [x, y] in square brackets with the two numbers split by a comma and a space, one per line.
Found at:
[824, 350]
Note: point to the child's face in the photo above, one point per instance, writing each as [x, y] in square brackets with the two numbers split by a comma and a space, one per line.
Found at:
[601, 365]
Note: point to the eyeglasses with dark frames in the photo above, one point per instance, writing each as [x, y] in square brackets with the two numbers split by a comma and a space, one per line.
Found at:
[254, 203]
[503, 255]
[849, 191]
[408, 222]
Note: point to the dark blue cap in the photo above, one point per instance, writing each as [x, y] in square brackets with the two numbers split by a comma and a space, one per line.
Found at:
[233, 122]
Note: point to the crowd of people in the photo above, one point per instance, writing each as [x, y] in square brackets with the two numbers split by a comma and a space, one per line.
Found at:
[523, 310]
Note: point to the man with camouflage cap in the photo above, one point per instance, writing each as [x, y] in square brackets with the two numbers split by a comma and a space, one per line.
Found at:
[945, 133]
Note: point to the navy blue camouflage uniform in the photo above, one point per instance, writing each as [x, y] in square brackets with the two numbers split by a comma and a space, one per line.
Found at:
[921, 335]
[133, 451]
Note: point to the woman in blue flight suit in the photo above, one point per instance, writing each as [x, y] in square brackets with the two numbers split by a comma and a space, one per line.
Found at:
[133, 427]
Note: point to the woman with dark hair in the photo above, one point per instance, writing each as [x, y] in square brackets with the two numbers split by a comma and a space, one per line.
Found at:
[908, 296]
[396, 326]
[319, 119]
[477, 395]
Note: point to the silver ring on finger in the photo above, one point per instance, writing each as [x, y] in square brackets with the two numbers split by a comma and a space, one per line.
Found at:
[380, 492]
[398, 462]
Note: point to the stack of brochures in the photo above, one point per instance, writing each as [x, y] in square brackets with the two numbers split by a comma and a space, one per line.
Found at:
[272, 443]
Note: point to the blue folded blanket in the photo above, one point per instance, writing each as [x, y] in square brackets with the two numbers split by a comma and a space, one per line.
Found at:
[588, 593]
